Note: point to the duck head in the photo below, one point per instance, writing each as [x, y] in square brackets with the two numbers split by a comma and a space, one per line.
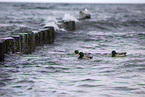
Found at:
[81, 55]
[113, 53]
[82, 13]
[76, 52]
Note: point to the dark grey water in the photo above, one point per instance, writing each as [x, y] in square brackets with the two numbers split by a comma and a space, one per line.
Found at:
[53, 71]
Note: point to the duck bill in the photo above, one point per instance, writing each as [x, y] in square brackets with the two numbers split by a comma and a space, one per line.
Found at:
[18, 53]
[111, 54]
[78, 55]
[73, 52]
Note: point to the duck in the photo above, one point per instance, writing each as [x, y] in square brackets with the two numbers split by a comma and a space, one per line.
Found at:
[118, 54]
[83, 56]
[85, 14]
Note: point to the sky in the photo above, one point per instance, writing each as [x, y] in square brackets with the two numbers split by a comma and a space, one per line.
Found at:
[78, 1]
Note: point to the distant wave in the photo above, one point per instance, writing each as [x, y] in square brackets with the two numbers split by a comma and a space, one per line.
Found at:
[31, 6]
[107, 24]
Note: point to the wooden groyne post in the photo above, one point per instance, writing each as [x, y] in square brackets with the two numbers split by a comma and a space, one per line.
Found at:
[7, 42]
[69, 25]
[1, 50]
[31, 42]
[16, 44]
[26, 42]
[49, 35]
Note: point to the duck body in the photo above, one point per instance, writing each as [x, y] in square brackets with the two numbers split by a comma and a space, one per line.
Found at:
[84, 56]
[118, 54]
[84, 15]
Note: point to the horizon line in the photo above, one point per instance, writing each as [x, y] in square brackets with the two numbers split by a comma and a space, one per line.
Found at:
[76, 2]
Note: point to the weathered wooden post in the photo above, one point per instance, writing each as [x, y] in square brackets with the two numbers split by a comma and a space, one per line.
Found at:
[1, 50]
[40, 36]
[29, 43]
[47, 36]
[17, 43]
[37, 39]
[43, 36]
[7, 44]
[69, 25]
[33, 42]
[10, 43]
[50, 34]
[4, 45]
[24, 42]
[12, 48]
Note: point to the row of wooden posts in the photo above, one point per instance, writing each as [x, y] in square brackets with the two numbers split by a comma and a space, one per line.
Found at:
[25, 43]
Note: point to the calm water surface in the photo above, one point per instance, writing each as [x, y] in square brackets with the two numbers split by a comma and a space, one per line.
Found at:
[54, 71]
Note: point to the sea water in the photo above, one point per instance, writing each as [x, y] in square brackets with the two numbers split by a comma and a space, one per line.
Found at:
[52, 70]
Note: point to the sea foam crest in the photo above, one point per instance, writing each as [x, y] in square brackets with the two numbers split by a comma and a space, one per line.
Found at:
[68, 17]
[50, 21]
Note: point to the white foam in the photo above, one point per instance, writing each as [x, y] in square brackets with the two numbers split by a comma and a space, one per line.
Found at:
[4, 25]
[51, 21]
[68, 17]
[87, 11]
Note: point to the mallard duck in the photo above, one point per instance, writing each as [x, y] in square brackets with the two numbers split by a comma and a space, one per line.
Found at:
[84, 15]
[83, 56]
[118, 54]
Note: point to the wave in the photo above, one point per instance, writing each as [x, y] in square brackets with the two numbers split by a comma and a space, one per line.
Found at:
[51, 21]
[117, 23]
[57, 22]
[68, 17]
[7, 30]
[33, 6]
[112, 24]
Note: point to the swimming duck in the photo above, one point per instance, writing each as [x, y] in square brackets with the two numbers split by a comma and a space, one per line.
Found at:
[84, 15]
[118, 54]
[83, 56]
